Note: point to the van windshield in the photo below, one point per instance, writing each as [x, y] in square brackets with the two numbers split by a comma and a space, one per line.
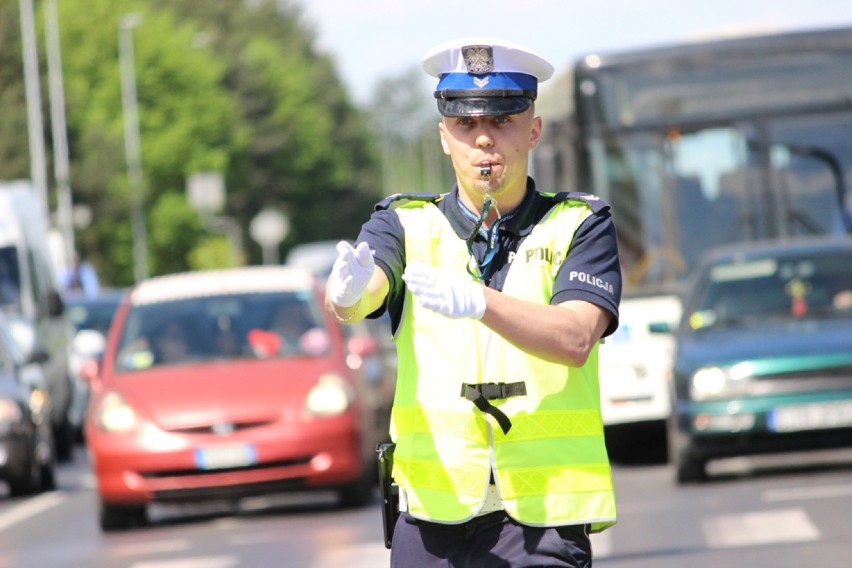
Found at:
[10, 276]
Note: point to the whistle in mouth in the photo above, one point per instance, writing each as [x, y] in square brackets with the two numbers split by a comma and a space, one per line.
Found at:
[485, 171]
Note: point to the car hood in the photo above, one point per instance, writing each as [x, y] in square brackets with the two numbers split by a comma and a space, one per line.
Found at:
[815, 340]
[252, 391]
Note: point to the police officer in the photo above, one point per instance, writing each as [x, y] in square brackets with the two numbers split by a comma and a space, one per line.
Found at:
[499, 295]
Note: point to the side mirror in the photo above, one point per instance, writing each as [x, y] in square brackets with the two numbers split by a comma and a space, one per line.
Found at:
[90, 371]
[54, 303]
[362, 346]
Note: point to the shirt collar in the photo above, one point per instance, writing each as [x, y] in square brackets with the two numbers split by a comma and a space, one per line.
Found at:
[517, 222]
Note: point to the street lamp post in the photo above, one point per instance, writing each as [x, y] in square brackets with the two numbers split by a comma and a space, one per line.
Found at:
[64, 202]
[132, 146]
[35, 122]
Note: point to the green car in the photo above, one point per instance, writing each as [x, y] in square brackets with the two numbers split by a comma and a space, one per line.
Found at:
[763, 360]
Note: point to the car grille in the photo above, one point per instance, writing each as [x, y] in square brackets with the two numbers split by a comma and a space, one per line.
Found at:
[839, 378]
[201, 473]
[218, 428]
[228, 491]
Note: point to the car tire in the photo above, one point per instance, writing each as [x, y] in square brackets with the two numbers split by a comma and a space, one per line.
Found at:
[358, 493]
[121, 517]
[689, 467]
[48, 476]
[30, 479]
[65, 437]
[47, 463]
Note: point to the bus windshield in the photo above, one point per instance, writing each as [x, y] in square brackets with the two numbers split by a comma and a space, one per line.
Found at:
[707, 146]
[677, 193]
[752, 84]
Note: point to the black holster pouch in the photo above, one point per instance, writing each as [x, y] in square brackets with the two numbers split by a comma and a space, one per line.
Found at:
[388, 491]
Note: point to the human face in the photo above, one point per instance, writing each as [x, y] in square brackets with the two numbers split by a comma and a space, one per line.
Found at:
[502, 142]
[172, 343]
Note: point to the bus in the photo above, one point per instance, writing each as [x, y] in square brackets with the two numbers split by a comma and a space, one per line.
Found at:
[697, 145]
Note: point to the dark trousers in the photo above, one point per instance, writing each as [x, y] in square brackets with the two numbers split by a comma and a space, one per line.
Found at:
[490, 541]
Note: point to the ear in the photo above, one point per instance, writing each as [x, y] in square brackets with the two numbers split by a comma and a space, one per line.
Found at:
[442, 130]
[535, 132]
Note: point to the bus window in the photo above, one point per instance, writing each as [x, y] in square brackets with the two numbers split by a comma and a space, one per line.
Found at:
[811, 156]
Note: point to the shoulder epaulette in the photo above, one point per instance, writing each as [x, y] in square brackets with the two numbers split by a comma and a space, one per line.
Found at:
[398, 199]
[593, 201]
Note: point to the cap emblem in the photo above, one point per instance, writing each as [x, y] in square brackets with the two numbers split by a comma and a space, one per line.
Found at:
[479, 59]
[481, 81]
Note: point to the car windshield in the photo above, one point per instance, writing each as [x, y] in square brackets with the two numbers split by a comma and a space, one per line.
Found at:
[774, 289]
[9, 278]
[234, 326]
[91, 314]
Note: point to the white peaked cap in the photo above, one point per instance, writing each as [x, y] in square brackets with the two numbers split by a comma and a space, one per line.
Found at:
[508, 58]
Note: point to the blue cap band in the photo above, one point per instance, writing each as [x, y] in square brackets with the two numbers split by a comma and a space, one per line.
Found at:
[488, 82]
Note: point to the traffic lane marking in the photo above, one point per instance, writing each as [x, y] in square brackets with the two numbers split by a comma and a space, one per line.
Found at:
[370, 555]
[30, 508]
[763, 527]
[367, 555]
[602, 543]
[807, 493]
[149, 547]
[194, 562]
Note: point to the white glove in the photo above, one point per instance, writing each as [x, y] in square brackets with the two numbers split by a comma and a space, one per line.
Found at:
[448, 294]
[350, 274]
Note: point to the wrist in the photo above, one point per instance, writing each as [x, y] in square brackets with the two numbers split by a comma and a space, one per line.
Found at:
[344, 314]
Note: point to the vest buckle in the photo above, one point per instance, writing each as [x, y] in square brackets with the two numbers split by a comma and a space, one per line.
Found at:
[480, 394]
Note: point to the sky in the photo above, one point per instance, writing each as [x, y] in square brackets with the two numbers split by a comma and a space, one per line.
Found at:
[375, 39]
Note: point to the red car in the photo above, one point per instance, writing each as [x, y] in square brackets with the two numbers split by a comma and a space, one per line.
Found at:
[228, 384]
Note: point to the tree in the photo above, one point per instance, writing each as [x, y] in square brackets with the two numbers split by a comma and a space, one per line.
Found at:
[229, 86]
[406, 119]
[308, 150]
[14, 160]
[187, 123]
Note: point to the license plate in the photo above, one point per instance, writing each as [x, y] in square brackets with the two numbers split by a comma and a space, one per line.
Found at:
[225, 457]
[816, 416]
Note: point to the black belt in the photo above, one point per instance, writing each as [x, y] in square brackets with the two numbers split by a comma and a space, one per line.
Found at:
[480, 394]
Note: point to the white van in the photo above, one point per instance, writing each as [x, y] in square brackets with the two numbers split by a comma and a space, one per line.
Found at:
[30, 300]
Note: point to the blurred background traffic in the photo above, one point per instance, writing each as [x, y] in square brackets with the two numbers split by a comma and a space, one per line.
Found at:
[157, 138]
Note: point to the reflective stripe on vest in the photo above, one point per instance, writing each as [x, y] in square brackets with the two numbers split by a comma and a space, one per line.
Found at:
[551, 468]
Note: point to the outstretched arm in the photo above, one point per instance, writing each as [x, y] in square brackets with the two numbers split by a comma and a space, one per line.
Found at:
[565, 333]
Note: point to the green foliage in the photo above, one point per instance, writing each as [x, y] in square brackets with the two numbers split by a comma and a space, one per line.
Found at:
[229, 86]
[14, 157]
[407, 117]
[212, 252]
[179, 231]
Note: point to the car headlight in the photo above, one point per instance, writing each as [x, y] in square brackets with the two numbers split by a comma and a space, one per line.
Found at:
[115, 415]
[329, 397]
[720, 382]
[38, 404]
[24, 335]
[10, 412]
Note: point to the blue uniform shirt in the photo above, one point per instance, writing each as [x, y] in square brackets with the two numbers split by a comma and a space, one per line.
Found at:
[591, 271]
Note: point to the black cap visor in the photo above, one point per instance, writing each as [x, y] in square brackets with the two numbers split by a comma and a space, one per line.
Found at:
[483, 106]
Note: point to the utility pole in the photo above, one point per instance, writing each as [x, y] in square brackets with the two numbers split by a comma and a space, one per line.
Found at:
[35, 123]
[56, 91]
[132, 144]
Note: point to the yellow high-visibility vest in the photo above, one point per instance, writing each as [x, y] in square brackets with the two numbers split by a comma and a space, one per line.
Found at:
[551, 468]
